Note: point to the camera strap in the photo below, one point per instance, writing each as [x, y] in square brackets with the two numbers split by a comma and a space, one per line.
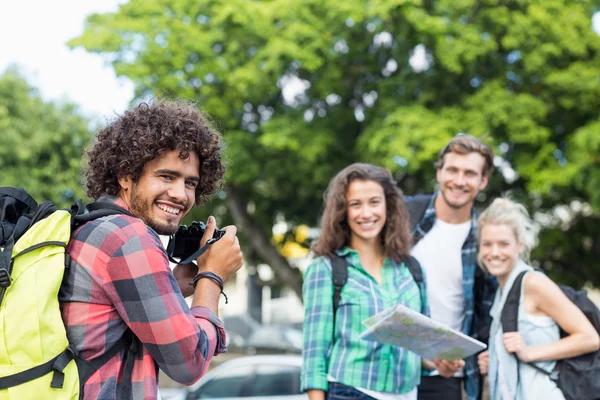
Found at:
[191, 258]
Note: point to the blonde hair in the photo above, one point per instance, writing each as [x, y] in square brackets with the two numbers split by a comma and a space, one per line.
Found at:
[504, 211]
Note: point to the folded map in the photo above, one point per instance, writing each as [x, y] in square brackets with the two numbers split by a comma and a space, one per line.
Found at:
[401, 326]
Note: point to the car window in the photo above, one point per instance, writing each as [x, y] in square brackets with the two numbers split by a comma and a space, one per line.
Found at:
[230, 383]
[275, 380]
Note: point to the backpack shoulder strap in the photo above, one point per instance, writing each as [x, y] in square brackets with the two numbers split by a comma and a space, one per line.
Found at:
[417, 205]
[88, 368]
[95, 210]
[415, 269]
[339, 275]
[509, 317]
[510, 311]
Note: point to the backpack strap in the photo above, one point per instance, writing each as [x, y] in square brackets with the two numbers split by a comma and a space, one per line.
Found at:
[339, 276]
[417, 205]
[56, 365]
[509, 317]
[88, 368]
[95, 210]
[510, 312]
[415, 269]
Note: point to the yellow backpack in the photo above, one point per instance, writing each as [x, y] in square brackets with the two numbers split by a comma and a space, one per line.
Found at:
[36, 359]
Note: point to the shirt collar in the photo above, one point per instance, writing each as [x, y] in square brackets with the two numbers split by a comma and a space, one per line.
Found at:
[429, 216]
[353, 254]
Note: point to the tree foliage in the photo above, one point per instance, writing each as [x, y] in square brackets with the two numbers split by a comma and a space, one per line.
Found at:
[301, 88]
[41, 143]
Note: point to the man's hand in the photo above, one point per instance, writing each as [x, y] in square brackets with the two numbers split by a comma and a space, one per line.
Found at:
[514, 343]
[448, 368]
[184, 273]
[223, 257]
[483, 360]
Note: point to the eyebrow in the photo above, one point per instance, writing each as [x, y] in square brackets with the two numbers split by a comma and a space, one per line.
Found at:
[368, 199]
[176, 174]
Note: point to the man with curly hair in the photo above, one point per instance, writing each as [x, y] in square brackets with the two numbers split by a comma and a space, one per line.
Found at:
[155, 162]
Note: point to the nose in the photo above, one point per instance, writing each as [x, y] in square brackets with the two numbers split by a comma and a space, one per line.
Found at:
[460, 178]
[495, 250]
[366, 211]
[177, 191]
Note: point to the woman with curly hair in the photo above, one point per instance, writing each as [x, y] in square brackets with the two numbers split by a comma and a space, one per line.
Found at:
[365, 222]
[119, 298]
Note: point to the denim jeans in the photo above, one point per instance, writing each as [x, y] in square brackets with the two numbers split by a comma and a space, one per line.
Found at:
[338, 391]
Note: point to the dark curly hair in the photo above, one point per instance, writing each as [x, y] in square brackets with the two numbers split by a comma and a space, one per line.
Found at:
[335, 231]
[140, 135]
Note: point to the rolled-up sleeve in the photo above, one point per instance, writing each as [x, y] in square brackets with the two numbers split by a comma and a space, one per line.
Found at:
[317, 294]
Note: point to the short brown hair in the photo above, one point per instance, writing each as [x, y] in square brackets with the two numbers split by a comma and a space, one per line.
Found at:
[138, 136]
[465, 144]
[335, 231]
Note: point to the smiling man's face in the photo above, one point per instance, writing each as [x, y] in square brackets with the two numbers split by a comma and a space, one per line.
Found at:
[461, 178]
[165, 191]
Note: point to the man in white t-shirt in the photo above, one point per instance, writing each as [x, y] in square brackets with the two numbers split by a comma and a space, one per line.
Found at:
[445, 246]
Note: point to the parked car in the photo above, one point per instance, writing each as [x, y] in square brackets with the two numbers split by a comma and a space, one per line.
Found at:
[262, 377]
[275, 339]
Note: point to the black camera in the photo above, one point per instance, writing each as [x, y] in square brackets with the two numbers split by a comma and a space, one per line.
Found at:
[186, 241]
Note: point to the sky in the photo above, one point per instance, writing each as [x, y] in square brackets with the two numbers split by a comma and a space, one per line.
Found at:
[33, 36]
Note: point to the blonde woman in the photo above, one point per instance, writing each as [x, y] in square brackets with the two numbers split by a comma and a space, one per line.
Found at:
[506, 236]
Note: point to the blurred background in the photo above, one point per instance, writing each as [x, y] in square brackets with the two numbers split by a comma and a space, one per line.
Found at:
[302, 88]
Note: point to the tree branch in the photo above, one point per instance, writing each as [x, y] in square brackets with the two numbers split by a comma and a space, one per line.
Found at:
[261, 243]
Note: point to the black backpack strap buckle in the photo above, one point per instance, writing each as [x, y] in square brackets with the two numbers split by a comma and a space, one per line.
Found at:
[60, 363]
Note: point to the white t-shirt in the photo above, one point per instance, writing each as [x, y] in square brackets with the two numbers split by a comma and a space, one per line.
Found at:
[440, 256]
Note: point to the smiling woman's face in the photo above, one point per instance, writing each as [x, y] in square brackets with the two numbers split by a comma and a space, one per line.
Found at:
[499, 249]
[366, 210]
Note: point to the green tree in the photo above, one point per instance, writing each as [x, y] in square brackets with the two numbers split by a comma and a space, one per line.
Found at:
[42, 142]
[385, 81]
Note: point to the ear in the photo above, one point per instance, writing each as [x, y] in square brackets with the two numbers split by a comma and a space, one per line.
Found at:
[484, 182]
[438, 174]
[125, 182]
[521, 248]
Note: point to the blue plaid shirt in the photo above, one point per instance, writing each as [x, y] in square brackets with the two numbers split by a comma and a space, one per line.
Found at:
[471, 321]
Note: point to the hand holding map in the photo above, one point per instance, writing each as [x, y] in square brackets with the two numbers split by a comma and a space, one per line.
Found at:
[401, 326]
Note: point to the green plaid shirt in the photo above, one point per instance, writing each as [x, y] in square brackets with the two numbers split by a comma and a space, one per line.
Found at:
[349, 360]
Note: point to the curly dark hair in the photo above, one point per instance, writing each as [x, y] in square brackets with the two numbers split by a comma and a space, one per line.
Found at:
[140, 135]
[335, 231]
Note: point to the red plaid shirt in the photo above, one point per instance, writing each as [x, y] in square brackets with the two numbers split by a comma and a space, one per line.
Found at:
[119, 278]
